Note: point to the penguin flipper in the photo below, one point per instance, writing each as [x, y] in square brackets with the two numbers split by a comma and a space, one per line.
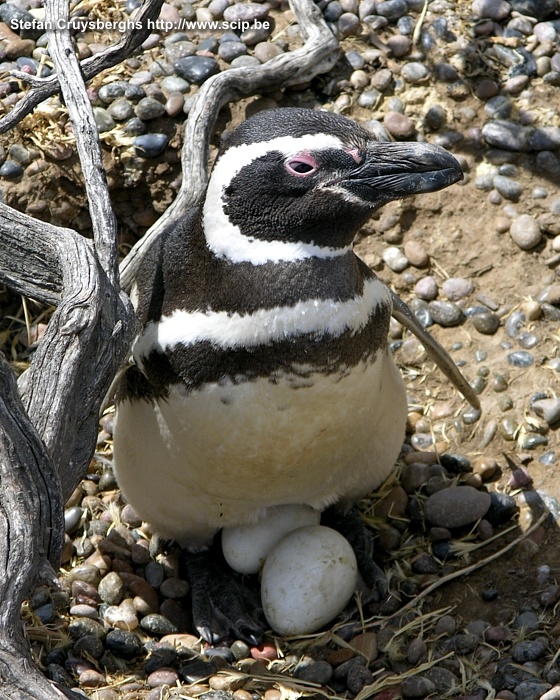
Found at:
[222, 605]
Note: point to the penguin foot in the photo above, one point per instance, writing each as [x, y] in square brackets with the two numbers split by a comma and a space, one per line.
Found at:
[222, 605]
[351, 526]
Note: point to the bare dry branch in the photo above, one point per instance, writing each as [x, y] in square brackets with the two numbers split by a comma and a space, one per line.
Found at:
[74, 92]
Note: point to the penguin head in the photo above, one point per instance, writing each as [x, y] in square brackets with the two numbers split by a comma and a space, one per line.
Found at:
[292, 183]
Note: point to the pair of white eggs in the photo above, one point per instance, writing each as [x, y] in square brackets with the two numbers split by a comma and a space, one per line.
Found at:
[309, 572]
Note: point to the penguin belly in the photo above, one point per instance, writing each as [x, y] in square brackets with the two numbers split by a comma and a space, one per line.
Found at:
[219, 456]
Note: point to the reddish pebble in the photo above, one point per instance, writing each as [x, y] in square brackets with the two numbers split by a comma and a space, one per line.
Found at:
[91, 679]
[264, 651]
[366, 644]
[163, 676]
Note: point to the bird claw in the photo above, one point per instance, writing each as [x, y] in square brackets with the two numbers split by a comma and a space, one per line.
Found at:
[221, 604]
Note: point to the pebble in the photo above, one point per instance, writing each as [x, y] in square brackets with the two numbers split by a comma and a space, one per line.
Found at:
[392, 9]
[163, 677]
[446, 313]
[157, 624]
[549, 409]
[317, 672]
[196, 69]
[508, 188]
[520, 358]
[417, 687]
[11, 169]
[111, 588]
[486, 323]
[398, 125]
[395, 259]
[507, 135]
[426, 288]
[150, 145]
[456, 288]
[149, 108]
[455, 507]
[525, 232]
[415, 72]
[124, 644]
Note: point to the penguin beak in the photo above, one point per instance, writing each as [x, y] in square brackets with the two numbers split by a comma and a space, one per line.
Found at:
[393, 170]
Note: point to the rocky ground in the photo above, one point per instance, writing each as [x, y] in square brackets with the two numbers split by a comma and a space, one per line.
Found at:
[479, 264]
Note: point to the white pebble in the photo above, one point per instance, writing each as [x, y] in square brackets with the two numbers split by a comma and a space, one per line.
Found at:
[395, 259]
[525, 232]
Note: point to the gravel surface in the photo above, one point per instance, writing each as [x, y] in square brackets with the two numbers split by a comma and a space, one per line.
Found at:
[479, 264]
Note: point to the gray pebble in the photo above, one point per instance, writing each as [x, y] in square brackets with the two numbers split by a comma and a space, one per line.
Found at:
[416, 650]
[111, 588]
[514, 324]
[507, 187]
[531, 690]
[121, 109]
[455, 507]
[134, 127]
[245, 12]
[520, 358]
[149, 108]
[392, 9]
[103, 119]
[357, 679]
[443, 679]
[446, 313]
[490, 9]
[456, 288]
[19, 153]
[157, 624]
[84, 626]
[349, 24]
[196, 69]
[90, 646]
[545, 138]
[179, 49]
[45, 613]
[525, 232]
[528, 650]
[435, 117]
[174, 588]
[266, 50]
[507, 135]
[369, 99]
[333, 11]
[355, 59]
[231, 49]
[245, 62]
[415, 72]
[417, 687]
[173, 83]
[256, 34]
[124, 644]
[549, 409]
[426, 288]
[316, 672]
[72, 518]
[10, 170]
[486, 323]
[150, 145]
[445, 625]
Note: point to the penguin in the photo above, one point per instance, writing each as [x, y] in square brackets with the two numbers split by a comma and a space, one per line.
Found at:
[261, 375]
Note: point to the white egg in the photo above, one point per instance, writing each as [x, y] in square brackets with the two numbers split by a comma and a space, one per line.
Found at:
[246, 547]
[307, 580]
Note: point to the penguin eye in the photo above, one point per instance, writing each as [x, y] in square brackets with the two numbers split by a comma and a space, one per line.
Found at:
[302, 165]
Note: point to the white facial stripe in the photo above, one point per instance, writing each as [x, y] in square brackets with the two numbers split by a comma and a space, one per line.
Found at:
[226, 240]
[231, 331]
